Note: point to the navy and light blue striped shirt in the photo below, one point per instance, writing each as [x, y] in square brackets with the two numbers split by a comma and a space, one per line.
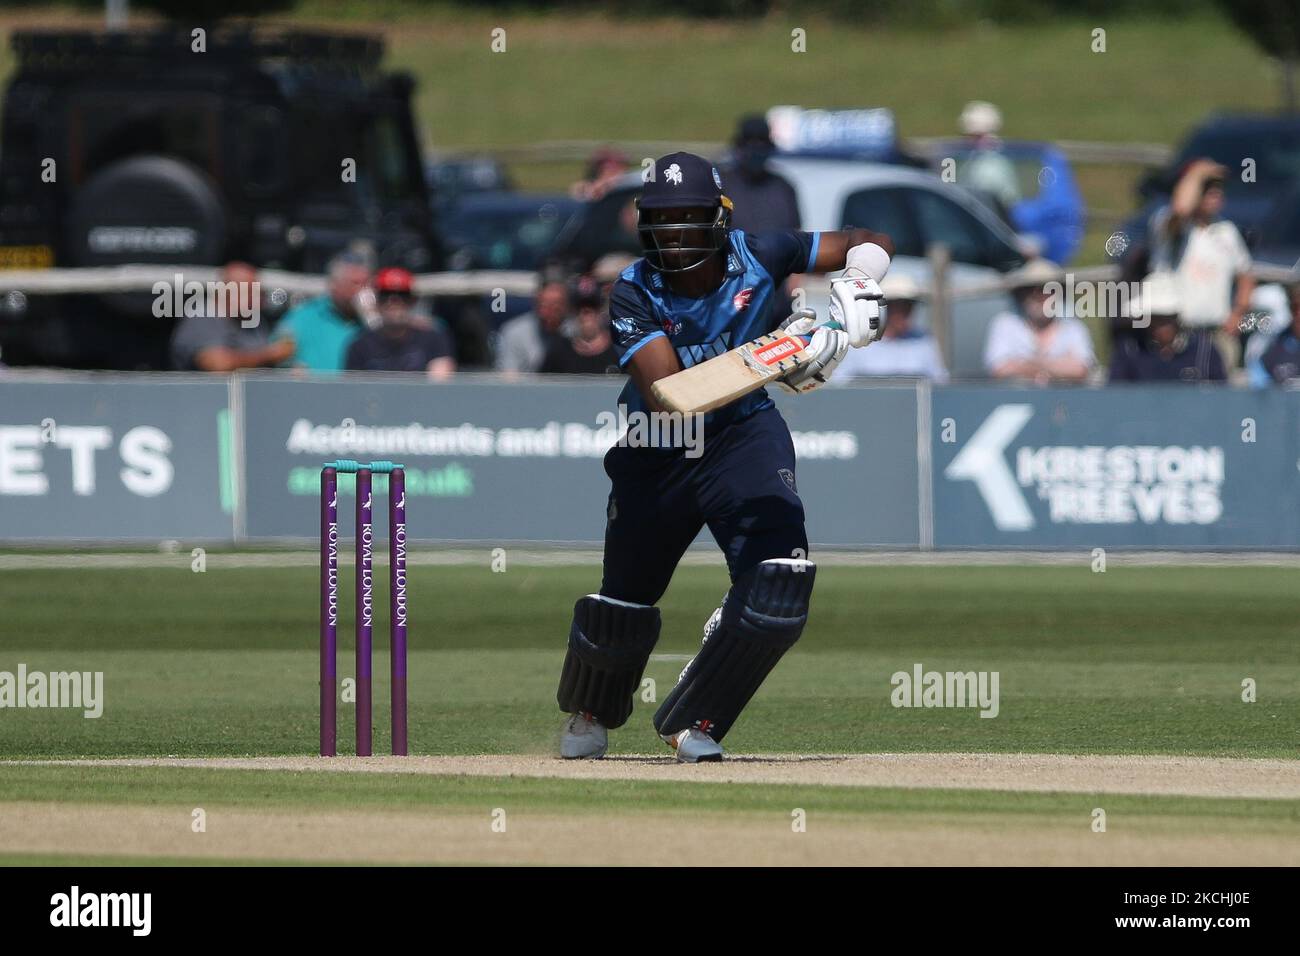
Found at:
[642, 308]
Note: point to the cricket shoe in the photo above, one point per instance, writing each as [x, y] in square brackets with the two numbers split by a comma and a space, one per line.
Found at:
[585, 738]
[693, 746]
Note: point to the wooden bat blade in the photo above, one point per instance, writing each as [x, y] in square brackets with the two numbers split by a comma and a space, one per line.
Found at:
[725, 378]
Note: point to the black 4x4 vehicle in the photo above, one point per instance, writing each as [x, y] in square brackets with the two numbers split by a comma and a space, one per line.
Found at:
[170, 156]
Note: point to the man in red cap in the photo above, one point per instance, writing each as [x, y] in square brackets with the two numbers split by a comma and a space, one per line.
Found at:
[404, 341]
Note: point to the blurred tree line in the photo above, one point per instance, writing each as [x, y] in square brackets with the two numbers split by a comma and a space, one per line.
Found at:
[1273, 25]
[907, 12]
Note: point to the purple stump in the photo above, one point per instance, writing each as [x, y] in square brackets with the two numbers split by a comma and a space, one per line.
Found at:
[329, 610]
[397, 603]
[365, 607]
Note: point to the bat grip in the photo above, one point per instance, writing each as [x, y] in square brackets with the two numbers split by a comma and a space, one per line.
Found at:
[829, 324]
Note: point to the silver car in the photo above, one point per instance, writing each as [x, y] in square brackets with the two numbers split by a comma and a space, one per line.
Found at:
[916, 209]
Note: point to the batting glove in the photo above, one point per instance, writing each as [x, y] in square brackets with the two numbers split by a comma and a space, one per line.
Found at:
[828, 346]
[856, 306]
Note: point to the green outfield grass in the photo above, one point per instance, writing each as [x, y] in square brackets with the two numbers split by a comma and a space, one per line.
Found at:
[1136, 660]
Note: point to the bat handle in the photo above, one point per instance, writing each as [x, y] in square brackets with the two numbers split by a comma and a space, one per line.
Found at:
[830, 324]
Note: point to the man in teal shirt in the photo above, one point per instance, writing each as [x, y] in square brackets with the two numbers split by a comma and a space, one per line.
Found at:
[323, 328]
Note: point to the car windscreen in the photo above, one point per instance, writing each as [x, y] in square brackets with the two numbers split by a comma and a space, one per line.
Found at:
[504, 237]
[605, 225]
[884, 210]
[942, 221]
[916, 218]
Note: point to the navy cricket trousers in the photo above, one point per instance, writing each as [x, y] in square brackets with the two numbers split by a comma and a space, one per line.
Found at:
[743, 487]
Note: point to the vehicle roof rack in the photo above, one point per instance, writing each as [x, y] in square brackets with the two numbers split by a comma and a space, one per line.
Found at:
[79, 49]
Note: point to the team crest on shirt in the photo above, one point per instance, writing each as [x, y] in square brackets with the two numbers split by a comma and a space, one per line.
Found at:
[742, 299]
[670, 325]
[788, 477]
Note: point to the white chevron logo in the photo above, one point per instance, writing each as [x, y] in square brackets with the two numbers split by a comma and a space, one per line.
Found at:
[984, 462]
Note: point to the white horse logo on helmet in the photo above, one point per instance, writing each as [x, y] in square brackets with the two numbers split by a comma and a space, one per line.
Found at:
[674, 174]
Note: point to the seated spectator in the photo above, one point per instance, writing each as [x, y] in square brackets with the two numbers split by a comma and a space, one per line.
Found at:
[222, 343]
[1280, 361]
[607, 269]
[589, 350]
[1168, 352]
[523, 341]
[1035, 345]
[404, 341]
[901, 350]
[323, 328]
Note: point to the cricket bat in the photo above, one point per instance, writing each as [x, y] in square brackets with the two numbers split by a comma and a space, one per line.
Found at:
[732, 375]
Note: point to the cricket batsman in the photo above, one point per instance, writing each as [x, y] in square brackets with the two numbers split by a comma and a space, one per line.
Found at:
[702, 289]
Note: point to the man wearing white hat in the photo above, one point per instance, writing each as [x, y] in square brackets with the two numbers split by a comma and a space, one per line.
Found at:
[902, 350]
[1035, 344]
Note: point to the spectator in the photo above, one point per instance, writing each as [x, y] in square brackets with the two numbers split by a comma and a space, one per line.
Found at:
[590, 349]
[901, 350]
[1280, 361]
[524, 340]
[324, 327]
[1169, 352]
[762, 199]
[604, 168]
[987, 169]
[609, 267]
[1134, 266]
[1205, 254]
[1037, 345]
[404, 341]
[606, 270]
[222, 343]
